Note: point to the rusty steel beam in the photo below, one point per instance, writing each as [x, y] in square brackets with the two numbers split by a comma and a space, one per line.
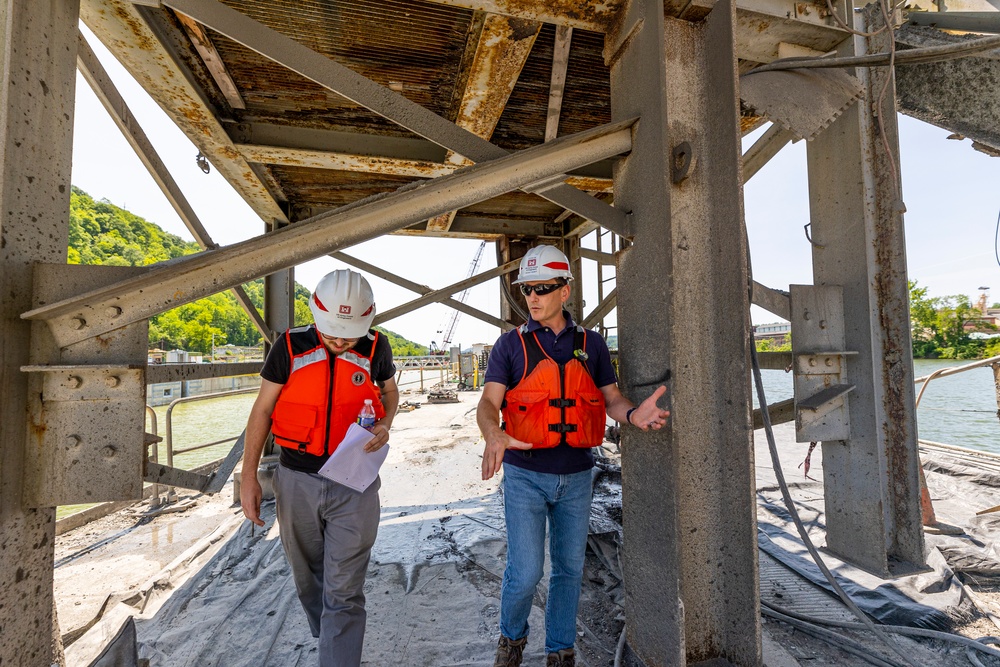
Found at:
[385, 102]
[760, 24]
[319, 159]
[192, 277]
[503, 48]
[213, 61]
[121, 27]
[593, 15]
[102, 85]
[557, 85]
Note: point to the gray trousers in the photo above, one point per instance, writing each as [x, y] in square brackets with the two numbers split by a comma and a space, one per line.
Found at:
[327, 531]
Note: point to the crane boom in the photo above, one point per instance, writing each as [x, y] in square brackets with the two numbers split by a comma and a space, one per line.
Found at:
[449, 329]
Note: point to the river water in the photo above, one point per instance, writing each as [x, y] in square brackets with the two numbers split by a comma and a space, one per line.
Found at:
[956, 410]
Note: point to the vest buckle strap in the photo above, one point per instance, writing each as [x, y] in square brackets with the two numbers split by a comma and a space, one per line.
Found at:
[562, 402]
[563, 428]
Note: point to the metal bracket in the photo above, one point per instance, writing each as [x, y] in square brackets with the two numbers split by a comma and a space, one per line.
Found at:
[821, 398]
[820, 363]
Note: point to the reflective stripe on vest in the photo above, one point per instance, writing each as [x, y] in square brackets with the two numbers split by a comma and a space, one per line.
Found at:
[312, 413]
[554, 403]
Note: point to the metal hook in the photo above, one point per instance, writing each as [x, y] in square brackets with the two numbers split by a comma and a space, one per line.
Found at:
[202, 162]
[809, 238]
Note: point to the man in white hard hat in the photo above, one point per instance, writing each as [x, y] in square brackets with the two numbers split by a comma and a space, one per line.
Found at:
[315, 381]
[554, 383]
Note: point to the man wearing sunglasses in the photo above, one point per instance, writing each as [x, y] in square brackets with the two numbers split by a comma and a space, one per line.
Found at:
[554, 384]
[316, 380]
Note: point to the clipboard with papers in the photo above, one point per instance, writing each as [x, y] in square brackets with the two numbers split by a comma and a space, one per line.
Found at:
[350, 464]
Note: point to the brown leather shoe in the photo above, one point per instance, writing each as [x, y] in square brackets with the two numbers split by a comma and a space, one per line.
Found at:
[509, 652]
[564, 658]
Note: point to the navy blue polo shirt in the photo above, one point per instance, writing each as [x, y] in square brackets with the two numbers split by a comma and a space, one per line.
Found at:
[506, 366]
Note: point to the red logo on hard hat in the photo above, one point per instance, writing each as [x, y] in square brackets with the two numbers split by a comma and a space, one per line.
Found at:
[345, 310]
[320, 304]
[531, 261]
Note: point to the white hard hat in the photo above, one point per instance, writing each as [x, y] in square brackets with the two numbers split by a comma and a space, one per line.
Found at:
[343, 305]
[543, 262]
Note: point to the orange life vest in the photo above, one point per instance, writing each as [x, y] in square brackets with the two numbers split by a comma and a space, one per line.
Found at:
[312, 413]
[554, 403]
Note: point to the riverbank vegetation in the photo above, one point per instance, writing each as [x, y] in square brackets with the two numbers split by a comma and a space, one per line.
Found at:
[102, 233]
[949, 327]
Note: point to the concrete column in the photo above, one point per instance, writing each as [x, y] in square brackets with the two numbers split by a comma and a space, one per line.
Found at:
[871, 480]
[37, 84]
[689, 519]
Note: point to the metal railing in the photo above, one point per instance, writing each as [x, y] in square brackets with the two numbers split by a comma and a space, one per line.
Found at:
[191, 399]
[169, 439]
[441, 363]
[953, 370]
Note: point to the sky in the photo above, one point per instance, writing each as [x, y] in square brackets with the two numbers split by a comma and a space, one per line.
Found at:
[950, 191]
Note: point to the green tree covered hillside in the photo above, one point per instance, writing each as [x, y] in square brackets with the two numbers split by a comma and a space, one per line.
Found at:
[102, 233]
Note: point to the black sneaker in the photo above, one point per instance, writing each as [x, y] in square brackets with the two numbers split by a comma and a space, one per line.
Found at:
[509, 652]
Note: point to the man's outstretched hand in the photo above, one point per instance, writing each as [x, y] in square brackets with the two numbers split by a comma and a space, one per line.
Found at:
[648, 415]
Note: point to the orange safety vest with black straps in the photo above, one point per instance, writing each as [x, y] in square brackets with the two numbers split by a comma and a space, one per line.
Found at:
[314, 410]
[554, 403]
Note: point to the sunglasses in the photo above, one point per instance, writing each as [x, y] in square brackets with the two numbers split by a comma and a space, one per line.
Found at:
[540, 290]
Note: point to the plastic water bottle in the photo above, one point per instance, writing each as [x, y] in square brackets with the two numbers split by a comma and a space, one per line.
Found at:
[366, 418]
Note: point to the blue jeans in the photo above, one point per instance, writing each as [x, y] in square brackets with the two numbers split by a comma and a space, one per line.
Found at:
[530, 499]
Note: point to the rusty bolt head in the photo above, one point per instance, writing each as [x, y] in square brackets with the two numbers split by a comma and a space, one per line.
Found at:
[829, 361]
[113, 311]
[806, 315]
[73, 440]
[812, 362]
[112, 381]
[109, 452]
[73, 382]
[78, 323]
[822, 324]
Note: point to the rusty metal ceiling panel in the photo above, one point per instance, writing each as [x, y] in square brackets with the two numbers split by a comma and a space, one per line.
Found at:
[587, 96]
[411, 47]
[331, 188]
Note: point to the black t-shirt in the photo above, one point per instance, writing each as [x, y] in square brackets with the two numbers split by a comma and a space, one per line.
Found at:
[277, 368]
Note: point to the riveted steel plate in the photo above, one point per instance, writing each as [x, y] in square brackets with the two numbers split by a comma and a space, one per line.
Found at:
[87, 402]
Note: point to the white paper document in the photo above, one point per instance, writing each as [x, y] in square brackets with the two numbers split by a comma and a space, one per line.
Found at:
[350, 464]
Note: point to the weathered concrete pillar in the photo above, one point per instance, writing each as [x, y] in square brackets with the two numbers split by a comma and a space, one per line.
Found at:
[871, 480]
[37, 84]
[689, 520]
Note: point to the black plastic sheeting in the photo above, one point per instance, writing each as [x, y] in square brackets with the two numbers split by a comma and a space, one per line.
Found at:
[931, 599]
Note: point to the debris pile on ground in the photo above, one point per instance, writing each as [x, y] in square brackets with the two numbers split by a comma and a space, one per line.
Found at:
[441, 394]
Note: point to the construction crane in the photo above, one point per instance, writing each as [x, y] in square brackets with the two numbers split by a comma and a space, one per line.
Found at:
[449, 328]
